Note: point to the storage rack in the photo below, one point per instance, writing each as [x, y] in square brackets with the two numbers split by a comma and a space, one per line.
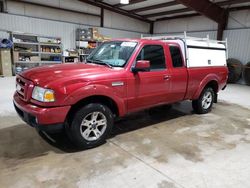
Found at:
[31, 50]
[86, 37]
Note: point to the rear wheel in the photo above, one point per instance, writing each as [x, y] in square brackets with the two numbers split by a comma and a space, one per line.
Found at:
[205, 102]
[91, 125]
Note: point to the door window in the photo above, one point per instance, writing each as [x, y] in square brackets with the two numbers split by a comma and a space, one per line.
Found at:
[154, 54]
[176, 56]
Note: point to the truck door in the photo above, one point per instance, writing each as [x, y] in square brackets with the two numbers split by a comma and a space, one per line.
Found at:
[179, 74]
[149, 88]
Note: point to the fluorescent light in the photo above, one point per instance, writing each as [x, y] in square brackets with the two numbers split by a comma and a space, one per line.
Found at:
[124, 2]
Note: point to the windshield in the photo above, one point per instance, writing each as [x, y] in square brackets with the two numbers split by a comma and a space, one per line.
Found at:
[113, 54]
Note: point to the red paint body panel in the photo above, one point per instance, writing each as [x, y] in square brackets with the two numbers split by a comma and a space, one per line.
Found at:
[199, 77]
[45, 116]
[137, 91]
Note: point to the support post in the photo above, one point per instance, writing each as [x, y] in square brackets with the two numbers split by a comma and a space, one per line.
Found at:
[151, 30]
[102, 18]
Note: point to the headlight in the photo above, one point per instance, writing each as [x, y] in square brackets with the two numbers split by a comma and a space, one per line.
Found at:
[43, 95]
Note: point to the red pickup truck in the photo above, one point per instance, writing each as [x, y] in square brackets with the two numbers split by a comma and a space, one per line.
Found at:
[121, 76]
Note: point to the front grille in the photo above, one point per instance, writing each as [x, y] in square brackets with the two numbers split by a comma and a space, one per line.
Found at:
[23, 87]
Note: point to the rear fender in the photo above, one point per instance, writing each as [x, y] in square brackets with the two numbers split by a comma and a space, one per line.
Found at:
[203, 83]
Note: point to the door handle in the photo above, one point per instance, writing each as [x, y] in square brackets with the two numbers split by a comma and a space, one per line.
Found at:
[167, 77]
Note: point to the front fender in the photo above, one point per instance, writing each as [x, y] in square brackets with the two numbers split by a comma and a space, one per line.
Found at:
[203, 83]
[97, 90]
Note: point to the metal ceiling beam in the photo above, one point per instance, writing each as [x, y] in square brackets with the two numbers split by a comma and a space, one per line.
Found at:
[232, 2]
[115, 9]
[173, 3]
[197, 14]
[206, 8]
[131, 2]
[168, 12]
[152, 7]
[211, 11]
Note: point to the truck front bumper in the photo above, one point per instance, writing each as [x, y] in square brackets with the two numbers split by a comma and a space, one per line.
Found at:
[45, 119]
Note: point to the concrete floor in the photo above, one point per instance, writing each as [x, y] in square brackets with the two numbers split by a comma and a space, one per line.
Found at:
[172, 149]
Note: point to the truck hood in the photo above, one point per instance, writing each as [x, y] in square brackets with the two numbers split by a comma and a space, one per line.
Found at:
[53, 73]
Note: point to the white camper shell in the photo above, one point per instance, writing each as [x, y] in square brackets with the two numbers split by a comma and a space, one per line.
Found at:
[199, 52]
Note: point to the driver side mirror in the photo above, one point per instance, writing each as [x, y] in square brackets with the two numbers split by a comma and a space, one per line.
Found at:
[141, 66]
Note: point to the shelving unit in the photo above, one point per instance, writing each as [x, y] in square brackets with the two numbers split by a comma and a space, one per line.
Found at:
[86, 42]
[34, 50]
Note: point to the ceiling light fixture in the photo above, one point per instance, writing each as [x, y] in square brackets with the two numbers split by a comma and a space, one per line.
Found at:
[125, 2]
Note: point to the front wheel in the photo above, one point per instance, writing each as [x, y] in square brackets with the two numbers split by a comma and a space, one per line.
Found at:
[91, 125]
[205, 102]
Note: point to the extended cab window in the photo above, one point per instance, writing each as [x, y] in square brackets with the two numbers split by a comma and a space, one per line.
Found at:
[154, 54]
[176, 56]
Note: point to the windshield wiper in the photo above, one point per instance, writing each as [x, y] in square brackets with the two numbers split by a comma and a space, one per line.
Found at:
[100, 62]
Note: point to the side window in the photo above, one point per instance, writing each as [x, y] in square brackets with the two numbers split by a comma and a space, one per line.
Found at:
[154, 54]
[176, 56]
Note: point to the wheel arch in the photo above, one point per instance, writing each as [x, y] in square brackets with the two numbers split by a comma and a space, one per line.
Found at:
[105, 100]
[213, 83]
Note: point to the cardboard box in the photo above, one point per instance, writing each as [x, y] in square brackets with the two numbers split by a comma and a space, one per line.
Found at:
[34, 58]
[82, 44]
[5, 62]
[16, 56]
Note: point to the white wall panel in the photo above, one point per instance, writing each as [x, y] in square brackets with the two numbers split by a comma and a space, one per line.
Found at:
[111, 20]
[200, 34]
[15, 7]
[197, 23]
[79, 6]
[239, 19]
[68, 4]
[119, 33]
[238, 44]
[237, 33]
[203, 34]
[50, 13]
[55, 3]
[4, 34]
[54, 28]
[114, 20]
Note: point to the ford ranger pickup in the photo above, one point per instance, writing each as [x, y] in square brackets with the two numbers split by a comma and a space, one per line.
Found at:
[119, 77]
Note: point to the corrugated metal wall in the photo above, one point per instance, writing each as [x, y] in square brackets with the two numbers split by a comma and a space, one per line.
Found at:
[4, 34]
[46, 21]
[200, 34]
[197, 23]
[54, 28]
[237, 33]
[111, 19]
[114, 20]
[238, 44]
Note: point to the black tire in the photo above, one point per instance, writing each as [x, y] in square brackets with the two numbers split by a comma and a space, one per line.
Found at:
[246, 73]
[198, 106]
[75, 127]
[235, 69]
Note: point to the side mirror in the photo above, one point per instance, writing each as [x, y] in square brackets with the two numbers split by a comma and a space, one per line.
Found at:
[141, 66]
